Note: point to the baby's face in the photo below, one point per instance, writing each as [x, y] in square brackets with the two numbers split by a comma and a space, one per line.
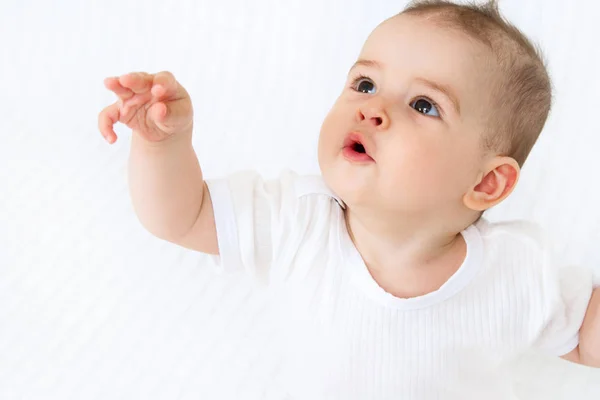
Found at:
[405, 134]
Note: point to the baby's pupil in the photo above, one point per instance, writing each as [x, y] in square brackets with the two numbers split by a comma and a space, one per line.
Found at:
[365, 86]
[423, 106]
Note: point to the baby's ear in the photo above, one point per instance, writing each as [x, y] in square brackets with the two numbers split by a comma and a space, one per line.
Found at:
[494, 184]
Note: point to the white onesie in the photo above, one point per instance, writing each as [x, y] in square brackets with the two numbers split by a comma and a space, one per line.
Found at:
[341, 336]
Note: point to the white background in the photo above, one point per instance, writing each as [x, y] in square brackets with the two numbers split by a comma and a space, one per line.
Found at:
[76, 268]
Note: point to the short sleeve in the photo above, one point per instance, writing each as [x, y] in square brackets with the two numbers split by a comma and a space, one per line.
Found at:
[244, 206]
[567, 292]
[262, 222]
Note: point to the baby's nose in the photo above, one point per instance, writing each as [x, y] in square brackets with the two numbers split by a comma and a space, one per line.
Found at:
[374, 114]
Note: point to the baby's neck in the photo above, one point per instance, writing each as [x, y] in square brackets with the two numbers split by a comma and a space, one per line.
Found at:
[406, 259]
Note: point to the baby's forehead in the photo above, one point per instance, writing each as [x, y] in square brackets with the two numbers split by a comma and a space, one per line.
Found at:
[424, 32]
[409, 46]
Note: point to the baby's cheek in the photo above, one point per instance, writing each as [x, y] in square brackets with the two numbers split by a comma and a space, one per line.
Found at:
[429, 170]
[333, 125]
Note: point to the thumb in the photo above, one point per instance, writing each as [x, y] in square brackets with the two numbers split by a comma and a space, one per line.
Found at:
[172, 114]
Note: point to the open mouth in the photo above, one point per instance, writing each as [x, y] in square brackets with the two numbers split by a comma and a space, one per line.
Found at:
[355, 150]
[359, 148]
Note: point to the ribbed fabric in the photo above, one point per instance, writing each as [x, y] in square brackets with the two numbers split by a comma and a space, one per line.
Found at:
[338, 335]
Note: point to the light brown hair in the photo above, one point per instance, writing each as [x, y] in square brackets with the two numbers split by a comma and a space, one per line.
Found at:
[521, 97]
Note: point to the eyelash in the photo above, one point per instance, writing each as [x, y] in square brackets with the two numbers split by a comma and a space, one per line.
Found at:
[361, 77]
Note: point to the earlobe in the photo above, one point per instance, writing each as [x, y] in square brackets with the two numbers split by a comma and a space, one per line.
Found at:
[493, 185]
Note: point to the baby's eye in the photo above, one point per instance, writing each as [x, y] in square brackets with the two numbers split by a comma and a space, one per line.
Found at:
[364, 85]
[425, 107]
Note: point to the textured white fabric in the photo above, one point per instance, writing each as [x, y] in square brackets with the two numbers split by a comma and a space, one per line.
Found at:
[341, 336]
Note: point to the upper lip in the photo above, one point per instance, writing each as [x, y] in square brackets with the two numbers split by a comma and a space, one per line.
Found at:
[357, 137]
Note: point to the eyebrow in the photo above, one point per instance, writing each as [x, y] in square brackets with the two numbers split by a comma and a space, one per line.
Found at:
[443, 89]
[366, 63]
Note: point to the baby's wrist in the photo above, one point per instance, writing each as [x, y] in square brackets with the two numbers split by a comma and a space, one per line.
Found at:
[176, 140]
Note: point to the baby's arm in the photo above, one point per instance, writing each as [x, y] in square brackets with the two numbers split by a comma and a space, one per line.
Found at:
[588, 351]
[168, 192]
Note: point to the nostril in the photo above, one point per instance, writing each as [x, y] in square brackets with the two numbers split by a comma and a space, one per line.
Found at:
[378, 121]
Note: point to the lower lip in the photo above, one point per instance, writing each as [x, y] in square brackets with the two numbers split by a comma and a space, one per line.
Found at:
[354, 156]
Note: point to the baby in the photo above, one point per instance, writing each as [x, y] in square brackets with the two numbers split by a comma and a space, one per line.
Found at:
[388, 282]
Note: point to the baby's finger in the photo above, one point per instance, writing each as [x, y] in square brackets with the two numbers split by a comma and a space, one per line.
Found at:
[106, 119]
[115, 86]
[176, 113]
[158, 111]
[164, 85]
[138, 82]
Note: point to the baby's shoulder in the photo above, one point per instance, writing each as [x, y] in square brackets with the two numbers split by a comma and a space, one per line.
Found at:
[518, 243]
[285, 189]
[521, 233]
[530, 250]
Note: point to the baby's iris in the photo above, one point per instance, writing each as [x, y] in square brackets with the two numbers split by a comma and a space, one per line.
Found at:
[425, 107]
[365, 86]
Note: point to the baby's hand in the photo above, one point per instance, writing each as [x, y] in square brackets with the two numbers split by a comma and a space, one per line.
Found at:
[155, 106]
